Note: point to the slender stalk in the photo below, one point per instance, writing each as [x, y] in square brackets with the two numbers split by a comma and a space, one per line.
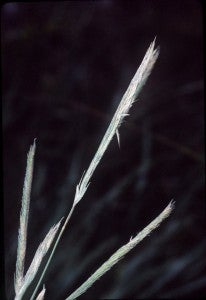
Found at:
[53, 250]
[128, 99]
[121, 252]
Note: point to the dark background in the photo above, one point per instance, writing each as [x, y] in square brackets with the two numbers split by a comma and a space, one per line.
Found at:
[65, 67]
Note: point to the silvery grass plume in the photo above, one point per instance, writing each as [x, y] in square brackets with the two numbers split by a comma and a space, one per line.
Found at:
[24, 216]
[121, 252]
[122, 111]
[22, 282]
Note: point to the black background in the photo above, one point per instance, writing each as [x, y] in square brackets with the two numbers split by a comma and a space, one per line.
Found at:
[65, 67]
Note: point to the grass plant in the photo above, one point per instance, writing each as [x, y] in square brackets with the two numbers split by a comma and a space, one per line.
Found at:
[23, 280]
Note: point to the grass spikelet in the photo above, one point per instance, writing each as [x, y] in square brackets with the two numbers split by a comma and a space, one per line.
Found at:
[128, 99]
[39, 255]
[121, 252]
[22, 237]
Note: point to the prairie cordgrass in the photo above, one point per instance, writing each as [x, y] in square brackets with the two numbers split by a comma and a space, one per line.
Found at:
[24, 279]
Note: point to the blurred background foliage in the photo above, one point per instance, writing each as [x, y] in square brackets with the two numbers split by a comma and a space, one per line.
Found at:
[65, 67]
